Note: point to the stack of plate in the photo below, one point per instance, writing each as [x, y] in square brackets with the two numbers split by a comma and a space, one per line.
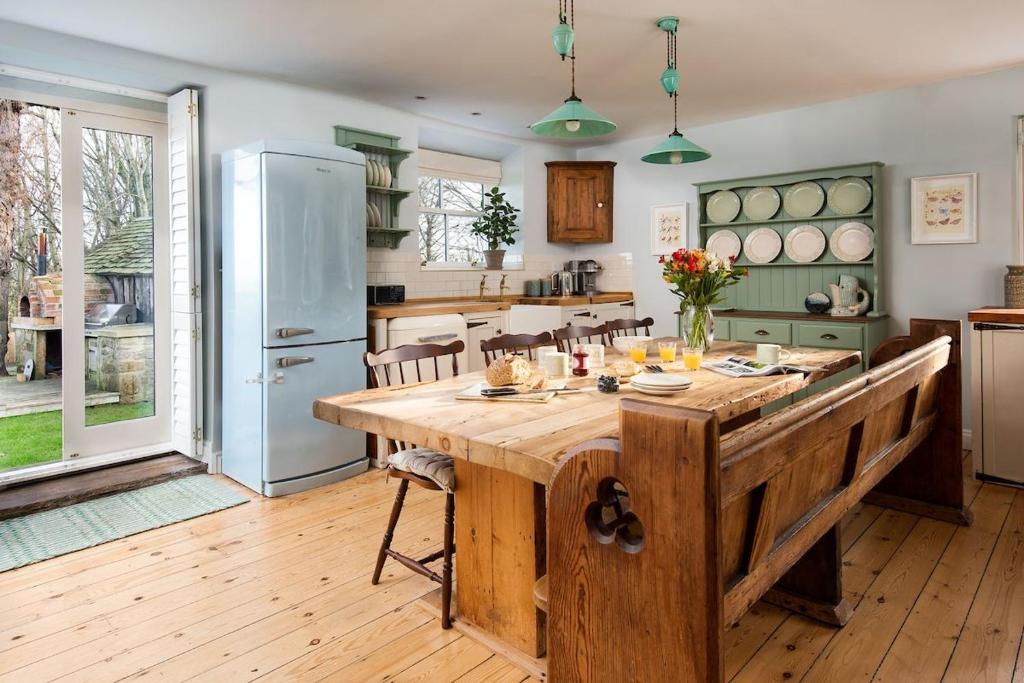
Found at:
[659, 384]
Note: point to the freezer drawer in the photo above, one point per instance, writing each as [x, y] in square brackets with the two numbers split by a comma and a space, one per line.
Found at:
[295, 444]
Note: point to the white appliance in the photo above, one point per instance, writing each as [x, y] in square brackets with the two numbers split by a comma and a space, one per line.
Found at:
[294, 280]
[429, 329]
[997, 382]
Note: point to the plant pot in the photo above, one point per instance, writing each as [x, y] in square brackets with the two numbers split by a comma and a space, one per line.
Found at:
[494, 258]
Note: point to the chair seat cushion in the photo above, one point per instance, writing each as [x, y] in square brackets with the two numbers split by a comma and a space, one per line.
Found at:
[427, 463]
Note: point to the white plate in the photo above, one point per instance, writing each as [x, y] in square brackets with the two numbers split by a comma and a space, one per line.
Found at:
[761, 203]
[852, 242]
[804, 200]
[661, 380]
[762, 245]
[805, 243]
[385, 180]
[377, 175]
[723, 206]
[724, 244]
[849, 195]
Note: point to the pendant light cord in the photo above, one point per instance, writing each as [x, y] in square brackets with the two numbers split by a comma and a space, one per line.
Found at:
[572, 53]
[672, 52]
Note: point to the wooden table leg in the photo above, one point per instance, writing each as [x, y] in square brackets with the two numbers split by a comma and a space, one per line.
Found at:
[500, 546]
[814, 585]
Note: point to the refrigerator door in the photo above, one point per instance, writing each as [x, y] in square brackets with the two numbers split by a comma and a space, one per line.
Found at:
[314, 250]
[296, 444]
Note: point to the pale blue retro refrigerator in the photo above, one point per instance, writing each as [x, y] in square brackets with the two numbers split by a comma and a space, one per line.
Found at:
[294, 311]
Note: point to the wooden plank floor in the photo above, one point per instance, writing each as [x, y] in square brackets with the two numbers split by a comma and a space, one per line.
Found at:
[279, 590]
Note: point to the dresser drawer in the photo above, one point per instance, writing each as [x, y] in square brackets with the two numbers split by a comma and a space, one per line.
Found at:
[756, 331]
[829, 336]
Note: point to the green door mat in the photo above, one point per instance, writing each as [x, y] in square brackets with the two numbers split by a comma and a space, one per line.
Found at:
[42, 535]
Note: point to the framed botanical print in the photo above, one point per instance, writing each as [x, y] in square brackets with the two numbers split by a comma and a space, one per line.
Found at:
[944, 209]
[668, 228]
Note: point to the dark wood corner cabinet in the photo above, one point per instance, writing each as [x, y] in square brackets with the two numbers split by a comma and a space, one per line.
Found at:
[580, 201]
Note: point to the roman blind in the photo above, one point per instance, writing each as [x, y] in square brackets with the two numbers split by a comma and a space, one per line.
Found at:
[459, 167]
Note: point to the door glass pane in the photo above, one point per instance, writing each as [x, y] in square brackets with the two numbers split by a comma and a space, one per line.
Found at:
[117, 226]
[31, 396]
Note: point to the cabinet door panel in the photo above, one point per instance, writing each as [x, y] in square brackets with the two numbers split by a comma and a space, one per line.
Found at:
[580, 202]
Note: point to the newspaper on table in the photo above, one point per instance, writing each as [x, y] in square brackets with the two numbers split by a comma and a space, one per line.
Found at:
[738, 366]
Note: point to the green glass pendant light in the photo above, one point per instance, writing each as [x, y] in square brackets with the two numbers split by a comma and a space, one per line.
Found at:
[573, 119]
[561, 36]
[676, 149]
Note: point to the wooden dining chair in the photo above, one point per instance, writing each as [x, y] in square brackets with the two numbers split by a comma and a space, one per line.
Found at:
[496, 347]
[624, 326]
[568, 336]
[424, 467]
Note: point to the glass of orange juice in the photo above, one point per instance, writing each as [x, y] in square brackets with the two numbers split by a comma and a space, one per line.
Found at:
[667, 351]
[692, 358]
[638, 352]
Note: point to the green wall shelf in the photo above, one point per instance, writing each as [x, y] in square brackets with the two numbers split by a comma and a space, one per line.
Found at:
[382, 148]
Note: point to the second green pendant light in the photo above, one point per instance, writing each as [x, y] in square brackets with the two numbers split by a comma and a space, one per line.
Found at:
[573, 119]
[676, 149]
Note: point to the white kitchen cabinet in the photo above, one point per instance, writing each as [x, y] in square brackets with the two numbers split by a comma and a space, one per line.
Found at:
[533, 318]
[578, 315]
[997, 392]
[606, 312]
[481, 326]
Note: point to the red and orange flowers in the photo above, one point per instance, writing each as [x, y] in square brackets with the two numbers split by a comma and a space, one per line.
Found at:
[699, 276]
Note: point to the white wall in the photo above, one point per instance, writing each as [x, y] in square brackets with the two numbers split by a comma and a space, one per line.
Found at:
[955, 126]
[236, 109]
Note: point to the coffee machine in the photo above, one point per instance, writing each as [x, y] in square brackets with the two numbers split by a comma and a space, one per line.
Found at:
[584, 276]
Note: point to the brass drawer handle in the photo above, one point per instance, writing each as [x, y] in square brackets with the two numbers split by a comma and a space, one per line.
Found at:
[829, 336]
[761, 333]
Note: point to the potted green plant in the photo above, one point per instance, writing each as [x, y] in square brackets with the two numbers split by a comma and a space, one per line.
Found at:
[497, 226]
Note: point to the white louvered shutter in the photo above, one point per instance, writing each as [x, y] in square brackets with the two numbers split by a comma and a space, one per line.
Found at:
[186, 318]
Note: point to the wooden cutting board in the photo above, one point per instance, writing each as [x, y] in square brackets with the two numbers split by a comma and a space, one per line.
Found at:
[473, 394]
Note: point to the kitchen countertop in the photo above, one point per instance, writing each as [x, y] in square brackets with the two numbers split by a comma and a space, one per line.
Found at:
[444, 306]
[996, 314]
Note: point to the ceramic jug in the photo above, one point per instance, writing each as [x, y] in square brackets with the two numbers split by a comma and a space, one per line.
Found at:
[848, 297]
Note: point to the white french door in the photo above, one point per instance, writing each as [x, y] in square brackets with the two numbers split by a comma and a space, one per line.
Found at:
[127, 364]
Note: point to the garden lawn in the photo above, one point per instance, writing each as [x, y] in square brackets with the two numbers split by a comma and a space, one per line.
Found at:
[36, 438]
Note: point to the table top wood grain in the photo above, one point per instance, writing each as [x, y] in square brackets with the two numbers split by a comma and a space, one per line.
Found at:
[528, 439]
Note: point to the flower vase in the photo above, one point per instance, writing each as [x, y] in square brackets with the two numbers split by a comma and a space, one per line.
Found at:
[698, 326]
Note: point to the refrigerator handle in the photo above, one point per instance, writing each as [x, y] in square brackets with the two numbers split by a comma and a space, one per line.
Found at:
[288, 361]
[285, 332]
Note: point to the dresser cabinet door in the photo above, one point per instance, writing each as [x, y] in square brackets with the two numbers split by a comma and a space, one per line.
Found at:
[580, 201]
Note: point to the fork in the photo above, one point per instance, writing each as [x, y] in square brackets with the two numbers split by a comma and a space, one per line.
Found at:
[654, 368]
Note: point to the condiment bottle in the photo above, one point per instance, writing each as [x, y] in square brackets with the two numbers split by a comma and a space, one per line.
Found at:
[579, 360]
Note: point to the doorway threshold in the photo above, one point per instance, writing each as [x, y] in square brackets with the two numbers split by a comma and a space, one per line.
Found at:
[77, 487]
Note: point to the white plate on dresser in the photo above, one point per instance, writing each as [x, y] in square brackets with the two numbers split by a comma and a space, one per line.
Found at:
[762, 245]
[805, 243]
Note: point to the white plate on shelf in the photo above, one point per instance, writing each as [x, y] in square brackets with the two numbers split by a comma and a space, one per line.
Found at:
[762, 245]
[723, 206]
[852, 242]
[724, 244]
[761, 203]
[385, 170]
[849, 195]
[805, 243]
[804, 200]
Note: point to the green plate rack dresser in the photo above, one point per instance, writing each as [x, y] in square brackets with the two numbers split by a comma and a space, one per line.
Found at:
[768, 306]
[382, 195]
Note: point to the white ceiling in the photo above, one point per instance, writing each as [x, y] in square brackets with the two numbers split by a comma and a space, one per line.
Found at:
[737, 57]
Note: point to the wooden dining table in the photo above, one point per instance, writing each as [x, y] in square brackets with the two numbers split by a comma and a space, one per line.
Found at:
[505, 454]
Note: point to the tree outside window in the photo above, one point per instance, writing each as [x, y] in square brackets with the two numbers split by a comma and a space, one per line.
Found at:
[447, 209]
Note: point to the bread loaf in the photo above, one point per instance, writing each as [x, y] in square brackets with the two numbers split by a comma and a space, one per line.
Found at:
[509, 369]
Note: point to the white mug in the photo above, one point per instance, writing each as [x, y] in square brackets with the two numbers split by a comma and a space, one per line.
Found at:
[557, 364]
[543, 352]
[771, 354]
[595, 355]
